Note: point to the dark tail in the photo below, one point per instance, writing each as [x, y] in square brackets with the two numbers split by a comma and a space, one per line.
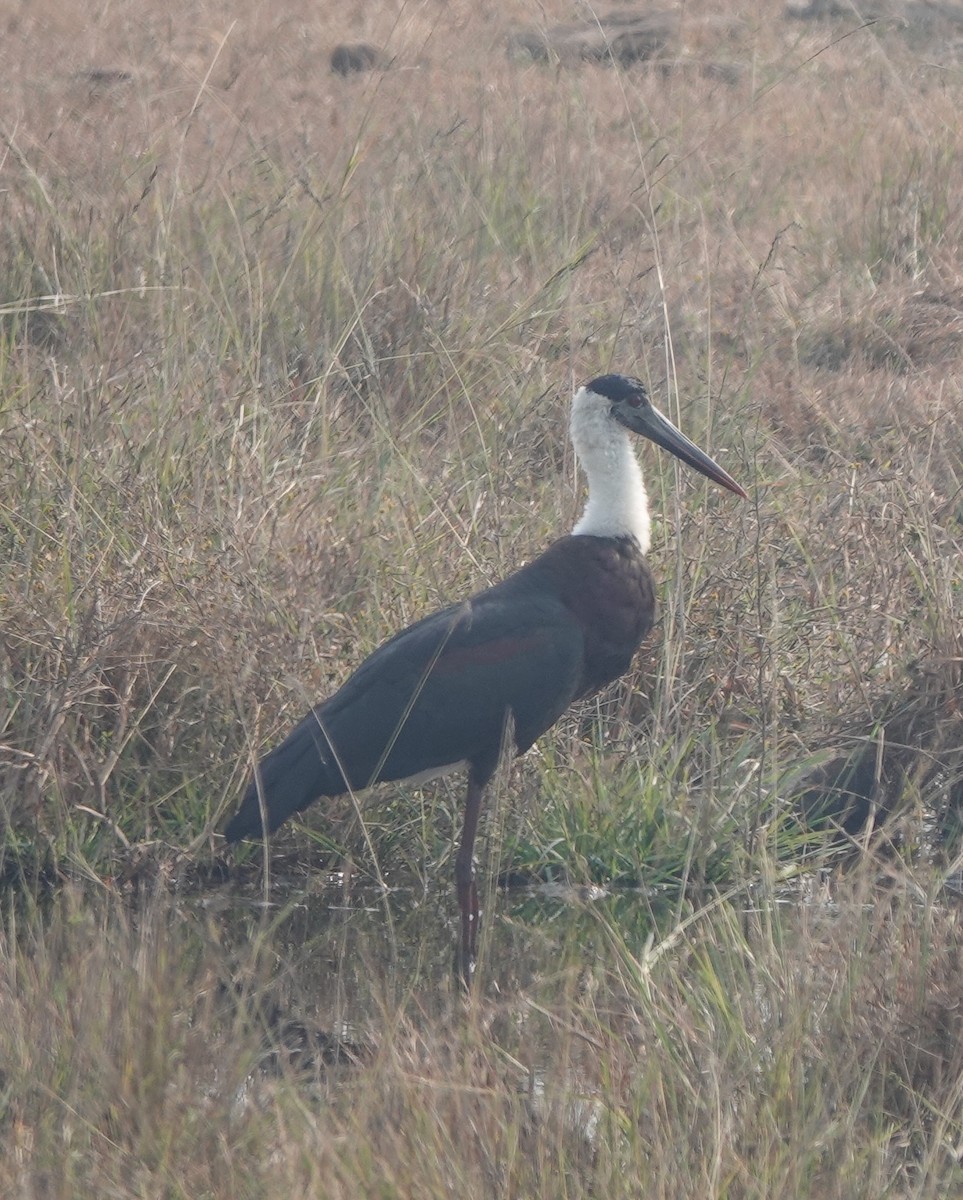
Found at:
[294, 774]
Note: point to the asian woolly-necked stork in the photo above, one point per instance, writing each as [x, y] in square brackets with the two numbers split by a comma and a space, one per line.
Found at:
[446, 691]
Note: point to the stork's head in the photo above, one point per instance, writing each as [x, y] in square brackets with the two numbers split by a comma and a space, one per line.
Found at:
[626, 401]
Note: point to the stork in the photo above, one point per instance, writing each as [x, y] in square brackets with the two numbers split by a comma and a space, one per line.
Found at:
[446, 692]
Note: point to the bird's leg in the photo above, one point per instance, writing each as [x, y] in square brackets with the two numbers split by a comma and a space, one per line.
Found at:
[465, 880]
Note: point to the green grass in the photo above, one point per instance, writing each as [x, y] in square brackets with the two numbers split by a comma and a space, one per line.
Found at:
[285, 362]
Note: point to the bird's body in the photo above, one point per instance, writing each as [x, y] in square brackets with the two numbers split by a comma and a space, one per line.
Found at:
[531, 645]
[448, 690]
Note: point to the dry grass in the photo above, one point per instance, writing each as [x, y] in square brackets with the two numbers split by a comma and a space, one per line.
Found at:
[810, 1051]
[284, 362]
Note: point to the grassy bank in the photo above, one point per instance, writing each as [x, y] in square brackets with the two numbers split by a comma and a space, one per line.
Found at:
[285, 362]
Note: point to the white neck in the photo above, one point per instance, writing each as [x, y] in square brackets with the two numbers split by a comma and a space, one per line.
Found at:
[617, 504]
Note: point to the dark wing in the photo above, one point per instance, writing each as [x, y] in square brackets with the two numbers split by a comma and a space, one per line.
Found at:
[440, 692]
[436, 694]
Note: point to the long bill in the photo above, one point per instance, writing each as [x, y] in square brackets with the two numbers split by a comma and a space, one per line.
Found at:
[652, 424]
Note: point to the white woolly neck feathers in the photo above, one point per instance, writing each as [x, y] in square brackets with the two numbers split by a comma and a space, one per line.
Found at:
[617, 503]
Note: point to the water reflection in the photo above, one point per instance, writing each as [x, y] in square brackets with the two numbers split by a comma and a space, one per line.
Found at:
[330, 938]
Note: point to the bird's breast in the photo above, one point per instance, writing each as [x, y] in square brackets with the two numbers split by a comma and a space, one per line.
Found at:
[606, 583]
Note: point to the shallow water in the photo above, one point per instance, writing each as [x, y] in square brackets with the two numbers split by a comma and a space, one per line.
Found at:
[341, 947]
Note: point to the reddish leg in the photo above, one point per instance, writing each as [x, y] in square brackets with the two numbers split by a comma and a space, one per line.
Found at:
[465, 881]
